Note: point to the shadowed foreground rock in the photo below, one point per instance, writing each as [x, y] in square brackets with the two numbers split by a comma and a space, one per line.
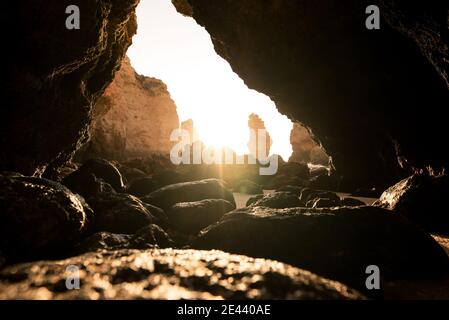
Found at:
[422, 198]
[189, 192]
[336, 243]
[38, 217]
[168, 274]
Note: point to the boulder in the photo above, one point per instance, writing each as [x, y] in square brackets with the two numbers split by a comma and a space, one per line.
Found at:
[81, 180]
[189, 192]
[352, 202]
[279, 200]
[422, 198]
[292, 189]
[323, 203]
[150, 236]
[254, 199]
[142, 186]
[191, 217]
[248, 187]
[338, 243]
[309, 195]
[168, 274]
[123, 213]
[39, 218]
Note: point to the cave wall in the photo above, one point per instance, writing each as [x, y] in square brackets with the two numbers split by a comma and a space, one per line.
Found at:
[372, 97]
[134, 117]
[53, 76]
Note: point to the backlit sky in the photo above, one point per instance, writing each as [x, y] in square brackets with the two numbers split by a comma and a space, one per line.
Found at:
[175, 49]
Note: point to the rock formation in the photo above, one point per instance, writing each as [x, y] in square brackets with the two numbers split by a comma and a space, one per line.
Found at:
[134, 117]
[305, 148]
[356, 88]
[54, 76]
[255, 124]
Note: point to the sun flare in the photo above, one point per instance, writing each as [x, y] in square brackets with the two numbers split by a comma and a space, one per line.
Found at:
[175, 49]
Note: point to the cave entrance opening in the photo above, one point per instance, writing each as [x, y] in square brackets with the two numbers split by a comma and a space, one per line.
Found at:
[178, 51]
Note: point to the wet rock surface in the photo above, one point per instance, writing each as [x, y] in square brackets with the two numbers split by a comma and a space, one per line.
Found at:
[39, 217]
[189, 192]
[191, 217]
[422, 198]
[167, 274]
[338, 243]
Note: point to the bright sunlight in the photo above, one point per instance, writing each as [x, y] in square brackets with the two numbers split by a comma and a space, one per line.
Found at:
[178, 51]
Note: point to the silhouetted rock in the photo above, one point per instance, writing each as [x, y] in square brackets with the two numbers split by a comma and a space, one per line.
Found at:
[279, 200]
[168, 274]
[142, 186]
[293, 189]
[191, 217]
[422, 198]
[150, 236]
[189, 192]
[352, 202]
[337, 243]
[310, 195]
[38, 217]
[82, 182]
[248, 187]
[323, 203]
[123, 213]
[366, 192]
[254, 199]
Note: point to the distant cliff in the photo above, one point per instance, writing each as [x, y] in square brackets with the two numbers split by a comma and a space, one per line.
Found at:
[133, 118]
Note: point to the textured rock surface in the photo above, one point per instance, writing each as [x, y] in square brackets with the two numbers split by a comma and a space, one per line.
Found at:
[39, 217]
[55, 76]
[354, 87]
[422, 198]
[168, 274]
[191, 217]
[305, 148]
[133, 118]
[335, 243]
[188, 192]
